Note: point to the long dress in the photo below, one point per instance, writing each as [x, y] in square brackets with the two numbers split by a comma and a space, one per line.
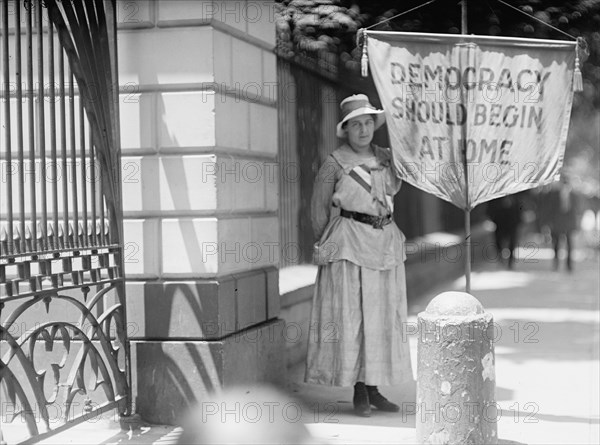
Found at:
[358, 320]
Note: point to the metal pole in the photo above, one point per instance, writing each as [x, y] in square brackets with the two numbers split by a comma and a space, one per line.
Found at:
[53, 152]
[463, 17]
[93, 197]
[72, 144]
[63, 147]
[467, 210]
[468, 251]
[19, 128]
[44, 244]
[7, 125]
[84, 179]
[118, 207]
[31, 127]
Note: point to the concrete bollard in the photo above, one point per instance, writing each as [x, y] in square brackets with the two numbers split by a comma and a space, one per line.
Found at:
[456, 382]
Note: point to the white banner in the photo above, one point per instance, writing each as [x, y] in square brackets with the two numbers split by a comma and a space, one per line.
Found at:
[509, 99]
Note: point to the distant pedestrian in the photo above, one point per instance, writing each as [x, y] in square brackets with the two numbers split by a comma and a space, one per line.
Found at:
[563, 220]
[359, 305]
[505, 213]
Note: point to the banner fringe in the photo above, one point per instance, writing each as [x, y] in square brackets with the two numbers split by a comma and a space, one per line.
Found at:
[364, 60]
[577, 79]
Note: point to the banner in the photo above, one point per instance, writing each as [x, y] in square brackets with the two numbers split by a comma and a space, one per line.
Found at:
[504, 103]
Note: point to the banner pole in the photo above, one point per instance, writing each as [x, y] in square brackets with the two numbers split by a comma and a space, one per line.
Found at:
[464, 30]
[463, 17]
[468, 251]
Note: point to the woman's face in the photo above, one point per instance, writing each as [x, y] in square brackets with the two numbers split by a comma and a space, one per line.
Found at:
[360, 132]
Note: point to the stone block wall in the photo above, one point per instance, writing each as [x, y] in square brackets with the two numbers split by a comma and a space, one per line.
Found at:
[200, 186]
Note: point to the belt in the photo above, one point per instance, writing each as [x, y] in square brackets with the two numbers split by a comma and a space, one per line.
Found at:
[376, 221]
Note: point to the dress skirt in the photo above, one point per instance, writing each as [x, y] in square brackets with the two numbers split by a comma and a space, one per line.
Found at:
[358, 326]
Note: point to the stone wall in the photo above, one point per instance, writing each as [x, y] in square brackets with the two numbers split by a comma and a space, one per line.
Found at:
[200, 185]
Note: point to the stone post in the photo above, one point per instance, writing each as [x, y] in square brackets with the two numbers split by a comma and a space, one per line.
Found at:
[455, 372]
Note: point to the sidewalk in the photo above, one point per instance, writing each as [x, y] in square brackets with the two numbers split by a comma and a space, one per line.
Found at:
[547, 365]
[547, 368]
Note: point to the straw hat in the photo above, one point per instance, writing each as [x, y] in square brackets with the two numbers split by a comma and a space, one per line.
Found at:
[357, 105]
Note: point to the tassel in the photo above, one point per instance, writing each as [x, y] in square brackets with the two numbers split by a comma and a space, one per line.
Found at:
[364, 60]
[577, 80]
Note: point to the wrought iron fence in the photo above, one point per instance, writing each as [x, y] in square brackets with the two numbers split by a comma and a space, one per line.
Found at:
[64, 354]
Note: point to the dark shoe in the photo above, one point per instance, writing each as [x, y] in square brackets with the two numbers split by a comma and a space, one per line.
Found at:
[380, 402]
[362, 407]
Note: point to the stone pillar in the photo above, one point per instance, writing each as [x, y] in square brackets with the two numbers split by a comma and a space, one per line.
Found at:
[200, 185]
[455, 373]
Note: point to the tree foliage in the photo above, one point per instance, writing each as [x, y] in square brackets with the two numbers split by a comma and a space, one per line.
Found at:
[326, 30]
[329, 26]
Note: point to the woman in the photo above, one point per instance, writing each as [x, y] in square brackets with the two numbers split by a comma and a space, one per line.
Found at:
[359, 304]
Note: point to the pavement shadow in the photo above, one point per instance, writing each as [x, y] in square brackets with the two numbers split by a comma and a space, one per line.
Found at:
[530, 417]
[172, 374]
[504, 394]
[562, 341]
